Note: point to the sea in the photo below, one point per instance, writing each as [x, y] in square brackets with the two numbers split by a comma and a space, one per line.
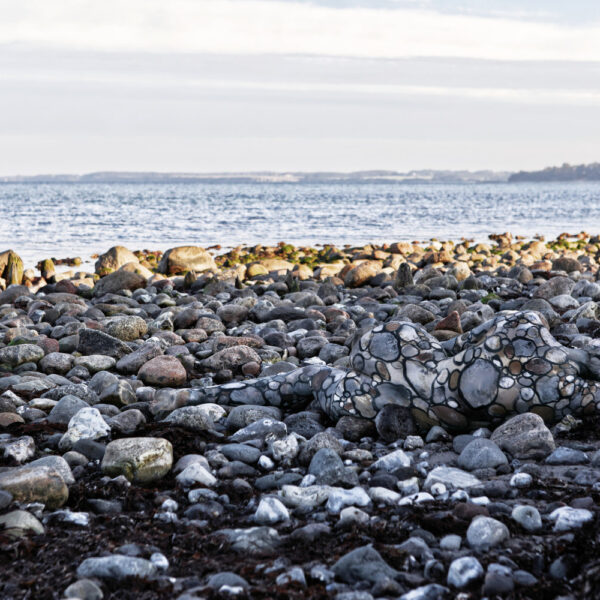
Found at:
[66, 220]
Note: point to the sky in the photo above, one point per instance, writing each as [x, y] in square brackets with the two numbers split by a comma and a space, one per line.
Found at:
[297, 85]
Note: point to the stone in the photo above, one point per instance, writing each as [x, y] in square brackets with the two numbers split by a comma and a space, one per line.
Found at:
[13, 356]
[193, 418]
[163, 371]
[58, 463]
[328, 469]
[393, 422]
[245, 414]
[19, 523]
[117, 281]
[392, 461]
[243, 452]
[117, 567]
[431, 591]
[464, 572]
[131, 363]
[524, 436]
[120, 393]
[19, 450]
[254, 541]
[226, 578]
[451, 542]
[140, 460]
[233, 358]
[270, 511]
[453, 479]
[485, 533]
[94, 342]
[114, 258]
[35, 484]
[126, 328]
[84, 589]
[361, 274]
[320, 440]
[498, 580]
[363, 564]
[86, 424]
[567, 456]
[195, 474]
[481, 453]
[339, 498]
[65, 409]
[527, 517]
[128, 421]
[95, 362]
[260, 429]
[182, 259]
[566, 518]
[56, 362]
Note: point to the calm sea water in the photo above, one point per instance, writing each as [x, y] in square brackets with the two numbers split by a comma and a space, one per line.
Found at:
[60, 220]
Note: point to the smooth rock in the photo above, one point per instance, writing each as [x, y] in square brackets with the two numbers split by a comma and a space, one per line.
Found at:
[141, 460]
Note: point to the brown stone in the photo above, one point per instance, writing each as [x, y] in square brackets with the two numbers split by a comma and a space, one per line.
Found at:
[165, 371]
[450, 323]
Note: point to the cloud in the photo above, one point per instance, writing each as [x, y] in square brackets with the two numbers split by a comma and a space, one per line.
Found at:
[267, 27]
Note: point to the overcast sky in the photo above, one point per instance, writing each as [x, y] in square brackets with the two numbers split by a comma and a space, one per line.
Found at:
[245, 85]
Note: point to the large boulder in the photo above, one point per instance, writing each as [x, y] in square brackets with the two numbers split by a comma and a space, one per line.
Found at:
[179, 260]
[114, 259]
[117, 281]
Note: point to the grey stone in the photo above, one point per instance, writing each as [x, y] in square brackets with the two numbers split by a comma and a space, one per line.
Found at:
[453, 479]
[193, 418]
[13, 356]
[328, 469]
[527, 517]
[254, 541]
[524, 437]
[260, 429]
[243, 452]
[35, 484]
[58, 463]
[363, 564]
[481, 454]
[270, 511]
[84, 589]
[485, 533]
[226, 578]
[392, 461]
[567, 456]
[92, 341]
[66, 408]
[141, 460]
[117, 567]
[464, 572]
[245, 414]
[431, 591]
[19, 523]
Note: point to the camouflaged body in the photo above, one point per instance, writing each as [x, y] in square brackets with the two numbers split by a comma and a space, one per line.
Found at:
[508, 365]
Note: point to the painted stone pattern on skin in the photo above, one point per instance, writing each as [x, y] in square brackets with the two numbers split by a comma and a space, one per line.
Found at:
[509, 365]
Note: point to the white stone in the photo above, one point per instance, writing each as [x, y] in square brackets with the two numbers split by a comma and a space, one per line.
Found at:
[86, 424]
[308, 497]
[521, 480]
[464, 571]
[285, 449]
[353, 516]
[271, 510]
[452, 478]
[527, 516]
[392, 461]
[196, 474]
[566, 518]
[340, 498]
[383, 495]
[408, 487]
[419, 498]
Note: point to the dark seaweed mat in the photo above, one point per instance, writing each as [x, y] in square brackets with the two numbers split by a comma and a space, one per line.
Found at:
[41, 567]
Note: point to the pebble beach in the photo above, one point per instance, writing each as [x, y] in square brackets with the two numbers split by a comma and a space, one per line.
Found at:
[120, 479]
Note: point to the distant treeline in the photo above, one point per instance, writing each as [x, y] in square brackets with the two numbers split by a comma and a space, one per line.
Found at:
[565, 172]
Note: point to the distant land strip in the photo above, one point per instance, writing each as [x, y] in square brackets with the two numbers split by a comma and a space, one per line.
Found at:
[564, 173]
